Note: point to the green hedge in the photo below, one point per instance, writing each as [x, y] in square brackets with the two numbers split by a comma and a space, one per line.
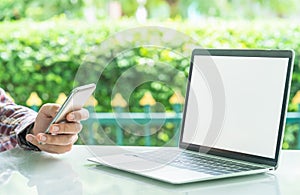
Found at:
[44, 56]
[39, 9]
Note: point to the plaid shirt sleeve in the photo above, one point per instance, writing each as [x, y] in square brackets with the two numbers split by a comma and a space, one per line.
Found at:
[15, 122]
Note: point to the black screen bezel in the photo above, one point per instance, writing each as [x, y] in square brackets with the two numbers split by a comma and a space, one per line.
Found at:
[243, 53]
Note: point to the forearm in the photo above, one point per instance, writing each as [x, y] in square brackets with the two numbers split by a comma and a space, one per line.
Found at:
[14, 123]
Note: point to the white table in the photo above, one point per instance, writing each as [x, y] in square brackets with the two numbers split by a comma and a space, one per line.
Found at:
[25, 172]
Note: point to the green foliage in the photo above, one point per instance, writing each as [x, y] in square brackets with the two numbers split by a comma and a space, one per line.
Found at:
[290, 136]
[39, 57]
[45, 56]
[39, 9]
[157, 9]
[249, 9]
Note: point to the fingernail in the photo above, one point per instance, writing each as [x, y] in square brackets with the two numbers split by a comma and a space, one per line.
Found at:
[29, 138]
[55, 129]
[43, 138]
[71, 116]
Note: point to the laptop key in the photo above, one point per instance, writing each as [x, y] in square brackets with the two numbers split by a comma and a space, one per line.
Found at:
[204, 164]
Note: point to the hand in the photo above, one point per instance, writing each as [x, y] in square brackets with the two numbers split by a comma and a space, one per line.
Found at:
[63, 135]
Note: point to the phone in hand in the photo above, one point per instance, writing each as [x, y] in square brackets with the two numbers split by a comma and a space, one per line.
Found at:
[75, 101]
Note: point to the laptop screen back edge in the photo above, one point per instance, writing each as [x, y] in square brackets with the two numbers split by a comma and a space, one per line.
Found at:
[220, 69]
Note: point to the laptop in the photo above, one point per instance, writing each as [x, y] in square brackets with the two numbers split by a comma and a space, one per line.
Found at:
[233, 120]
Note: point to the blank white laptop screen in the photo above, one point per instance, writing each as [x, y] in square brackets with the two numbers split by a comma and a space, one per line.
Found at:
[254, 88]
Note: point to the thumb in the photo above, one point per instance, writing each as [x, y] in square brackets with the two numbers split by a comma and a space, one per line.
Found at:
[49, 110]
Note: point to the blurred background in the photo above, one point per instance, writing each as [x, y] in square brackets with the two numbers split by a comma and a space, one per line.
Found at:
[148, 9]
[43, 43]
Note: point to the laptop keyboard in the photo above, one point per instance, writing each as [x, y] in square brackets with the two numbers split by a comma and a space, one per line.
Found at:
[196, 162]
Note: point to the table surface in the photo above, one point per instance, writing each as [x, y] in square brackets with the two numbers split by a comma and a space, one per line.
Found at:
[26, 172]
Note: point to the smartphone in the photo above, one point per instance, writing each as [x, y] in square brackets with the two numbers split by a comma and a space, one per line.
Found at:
[75, 101]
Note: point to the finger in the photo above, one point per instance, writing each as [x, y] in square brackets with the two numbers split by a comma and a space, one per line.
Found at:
[61, 140]
[56, 149]
[49, 109]
[32, 139]
[78, 115]
[66, 128]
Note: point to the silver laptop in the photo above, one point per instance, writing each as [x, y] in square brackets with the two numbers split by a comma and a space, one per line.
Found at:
[233, 120]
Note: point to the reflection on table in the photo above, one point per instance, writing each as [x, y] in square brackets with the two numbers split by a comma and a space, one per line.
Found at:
[25, 172]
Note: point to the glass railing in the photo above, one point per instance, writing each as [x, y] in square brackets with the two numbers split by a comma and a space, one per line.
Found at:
[156, 129]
